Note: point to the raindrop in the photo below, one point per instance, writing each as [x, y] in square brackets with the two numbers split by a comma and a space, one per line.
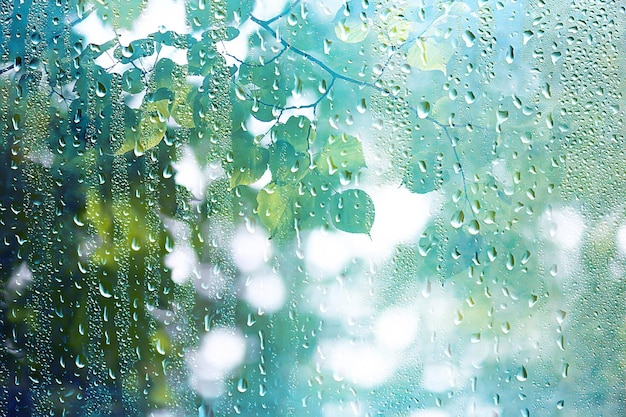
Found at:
[423, 109]
[160, 346]
[492, 253]
[473, 227]
[361, 107]
[101, 90]
[80, 361]
[510, 55]
[242, 385]
[457, 219]
[168, 171]
[469, 38]
[522, 374]
[15, 121]
[104, 291]
[510, 262]
[135, 245]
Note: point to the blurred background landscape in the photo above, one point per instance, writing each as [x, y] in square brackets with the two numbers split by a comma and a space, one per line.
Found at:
[312, 208]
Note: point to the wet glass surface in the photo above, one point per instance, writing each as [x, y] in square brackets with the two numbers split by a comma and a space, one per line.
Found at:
[312, 208]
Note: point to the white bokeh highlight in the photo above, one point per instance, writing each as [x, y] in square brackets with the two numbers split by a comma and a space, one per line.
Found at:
[265, 292]
[396, 328]
[328, 253]
[220, 352]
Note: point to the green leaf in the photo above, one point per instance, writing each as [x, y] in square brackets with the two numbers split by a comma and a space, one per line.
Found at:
[352, 31]
[341, 156]
[429, 54]
[275, 208]
[284, 207]
[170, 38]
[132, 81]
[352, 211]
[295, 131]
[287, 165]
[151, 128]
[249, 161]
[201, 57]
[139, 48]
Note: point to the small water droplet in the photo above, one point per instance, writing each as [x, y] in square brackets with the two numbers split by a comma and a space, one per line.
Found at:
[101, 90]
[361, 107]
[15, 121]
[242, 385]
[160, 346]
[474, 227]
[522, 374]
[104, 291]
[423, 109]
[510, 55]
[510, 262]
[80, 361]
[469, 38]
[135, 245]
[457, 219]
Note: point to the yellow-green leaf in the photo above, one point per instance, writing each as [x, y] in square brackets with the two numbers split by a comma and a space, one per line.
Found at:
[352, 31]
[151, 128]
[342, 155]
[430, 55]
[275, 207]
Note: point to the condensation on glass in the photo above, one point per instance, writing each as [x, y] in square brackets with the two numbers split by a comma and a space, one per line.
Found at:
[312, 208]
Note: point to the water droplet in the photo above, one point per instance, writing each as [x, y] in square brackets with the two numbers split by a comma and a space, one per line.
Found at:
[242, 385]
[457, 219]
[474, 227]
[160, 346]
[469, 38]
[80, 361]
[510, 262]
[15, 121]
[78, 222]
[510, 55]
[104, 291]
[135, 245]
[423, 109]
[168, 171]
[101, 90]
[522, 374]
[361, 107]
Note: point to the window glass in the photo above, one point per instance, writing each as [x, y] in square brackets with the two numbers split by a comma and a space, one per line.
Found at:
[312, 208]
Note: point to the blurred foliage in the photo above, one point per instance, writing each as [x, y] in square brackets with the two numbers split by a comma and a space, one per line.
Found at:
[292, 118]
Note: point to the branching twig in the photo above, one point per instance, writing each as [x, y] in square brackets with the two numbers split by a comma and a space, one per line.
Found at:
[265, 24]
